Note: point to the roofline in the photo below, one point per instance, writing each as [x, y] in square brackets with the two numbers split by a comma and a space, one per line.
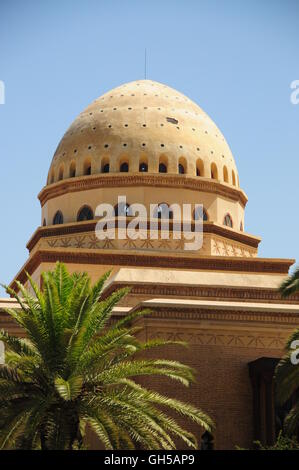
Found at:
[161, 260]
[196, 183]
[90, 226]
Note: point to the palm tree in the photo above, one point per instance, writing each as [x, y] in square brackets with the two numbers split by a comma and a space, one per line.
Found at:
[74, 369]
[287, 372]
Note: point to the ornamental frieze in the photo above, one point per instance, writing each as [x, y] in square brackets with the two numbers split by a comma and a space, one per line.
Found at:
[221, 339]
[214, 246]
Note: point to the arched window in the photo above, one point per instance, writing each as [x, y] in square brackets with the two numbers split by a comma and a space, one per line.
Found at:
[162, 168]
[143, 167]
[162, 211]
[124, 167]
[225, 174]
[60, 174]
[122, 210]
[86, 213]
[58, 218]
[228, 221]
[181, 169]
[197, 214]
[105, 168]
[87, 167]
[214, 172]
[241, 227]
[44, 223]
[182, 166]
[234, 178]
[72, 170]
[199, 168]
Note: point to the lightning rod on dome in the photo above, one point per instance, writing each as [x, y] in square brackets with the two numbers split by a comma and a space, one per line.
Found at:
[145, 58]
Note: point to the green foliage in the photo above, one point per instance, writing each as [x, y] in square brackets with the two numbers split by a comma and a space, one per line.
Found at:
[290, 285]
[287, 373]
[74, 369]
[282, 443]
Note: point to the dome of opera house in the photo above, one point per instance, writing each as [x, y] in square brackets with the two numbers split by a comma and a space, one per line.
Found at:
[143, 140]
[144, 122]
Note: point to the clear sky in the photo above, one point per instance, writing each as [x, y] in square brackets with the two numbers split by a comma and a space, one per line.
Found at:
[236, 59]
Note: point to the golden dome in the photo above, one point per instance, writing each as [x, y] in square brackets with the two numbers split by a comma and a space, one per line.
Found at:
[144, 122]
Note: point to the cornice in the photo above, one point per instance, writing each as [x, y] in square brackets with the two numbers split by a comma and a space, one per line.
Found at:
[109, 258]
[246, 294]
[83, 227]
[181, 313]
[7, 323]
[84, 183]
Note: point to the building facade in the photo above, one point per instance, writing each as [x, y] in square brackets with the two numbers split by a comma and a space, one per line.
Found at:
[152, 145]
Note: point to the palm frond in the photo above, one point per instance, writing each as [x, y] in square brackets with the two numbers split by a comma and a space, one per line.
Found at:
[287, 378]
[292, 420]
[20, 346]
[125, 369]
[75, 369]
[69, 389]
[290, 285]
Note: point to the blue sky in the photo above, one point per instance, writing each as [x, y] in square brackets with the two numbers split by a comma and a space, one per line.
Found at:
[236, 59]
